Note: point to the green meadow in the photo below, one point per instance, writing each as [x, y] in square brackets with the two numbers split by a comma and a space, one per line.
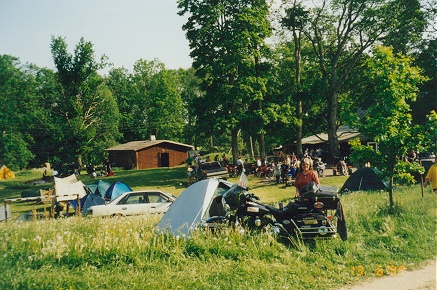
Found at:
[126, 253]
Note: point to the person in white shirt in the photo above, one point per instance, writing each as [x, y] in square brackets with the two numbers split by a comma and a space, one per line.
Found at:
[240, 165]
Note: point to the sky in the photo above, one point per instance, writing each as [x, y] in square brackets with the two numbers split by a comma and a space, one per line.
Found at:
[123, 30]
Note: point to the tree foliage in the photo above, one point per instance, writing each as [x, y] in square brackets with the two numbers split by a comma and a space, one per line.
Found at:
[85, 108]
[342, 30]
[392, 81]
[18, 112]
[227, 39]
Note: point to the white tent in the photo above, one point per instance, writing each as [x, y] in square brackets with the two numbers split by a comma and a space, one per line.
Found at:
[191, 207]
[68, 188]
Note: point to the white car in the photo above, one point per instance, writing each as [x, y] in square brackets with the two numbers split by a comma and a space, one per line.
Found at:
[134, 203]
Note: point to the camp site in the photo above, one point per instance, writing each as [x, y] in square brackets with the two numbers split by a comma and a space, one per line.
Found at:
[53, 242]
[197, 144]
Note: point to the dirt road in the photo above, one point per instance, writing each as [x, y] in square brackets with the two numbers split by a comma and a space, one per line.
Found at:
[420, 279]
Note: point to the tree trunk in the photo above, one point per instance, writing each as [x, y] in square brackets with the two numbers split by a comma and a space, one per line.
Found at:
[235, 152]
[332, 124]
[390, 192]
[298, 96]
[299, 134]
[262, 146]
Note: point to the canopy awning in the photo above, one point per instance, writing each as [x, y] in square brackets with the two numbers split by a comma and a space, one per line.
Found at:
[344, 134]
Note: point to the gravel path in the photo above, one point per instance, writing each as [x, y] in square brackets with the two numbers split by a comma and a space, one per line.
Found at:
[419, 279]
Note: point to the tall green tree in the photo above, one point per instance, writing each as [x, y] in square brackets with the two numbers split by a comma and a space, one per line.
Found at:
[190, 92]
[296, 18]
[392, 82]
[156, 102]
[227, 38]
[342, 30]
[85, 107]
[123, 88]
[19, 111]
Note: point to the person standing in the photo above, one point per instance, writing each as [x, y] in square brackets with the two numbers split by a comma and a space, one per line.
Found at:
[277, 172]
[108, 167]
[431, 176]
[189, 161]
[240, 164]
[305, 176]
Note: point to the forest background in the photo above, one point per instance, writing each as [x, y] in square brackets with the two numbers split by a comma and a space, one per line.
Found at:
[271, 76]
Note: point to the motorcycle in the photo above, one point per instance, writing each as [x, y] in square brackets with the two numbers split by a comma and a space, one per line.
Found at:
[308, 216]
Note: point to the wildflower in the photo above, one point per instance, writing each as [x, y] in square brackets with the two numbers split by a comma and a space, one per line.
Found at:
[379, 271]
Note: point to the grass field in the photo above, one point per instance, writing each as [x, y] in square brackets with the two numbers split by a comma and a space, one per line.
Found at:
[125, 253]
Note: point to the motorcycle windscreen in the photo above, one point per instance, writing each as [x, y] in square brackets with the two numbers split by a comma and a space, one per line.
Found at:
[187, 211]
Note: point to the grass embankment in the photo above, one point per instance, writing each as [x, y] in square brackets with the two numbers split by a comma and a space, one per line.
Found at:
[124, 253]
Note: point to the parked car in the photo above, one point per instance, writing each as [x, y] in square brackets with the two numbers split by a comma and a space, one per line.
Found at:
[134, 203]
[211, 170]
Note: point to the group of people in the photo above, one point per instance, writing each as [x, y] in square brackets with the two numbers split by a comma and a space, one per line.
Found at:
[91, 170]
[431, 176]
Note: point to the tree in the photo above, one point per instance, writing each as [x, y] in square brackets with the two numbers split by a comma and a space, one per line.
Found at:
[227, 39]
[165, 116]
[296, 18]
[85, 108]
[392, 81]
[156, 103]
[190, 92]
[19, 112]
[342, 30]
[123, 88]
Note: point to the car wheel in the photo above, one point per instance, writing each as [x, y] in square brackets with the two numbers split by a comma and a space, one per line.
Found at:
[115, 215]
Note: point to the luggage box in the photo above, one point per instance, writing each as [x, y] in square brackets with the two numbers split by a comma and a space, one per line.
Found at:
[324, 200]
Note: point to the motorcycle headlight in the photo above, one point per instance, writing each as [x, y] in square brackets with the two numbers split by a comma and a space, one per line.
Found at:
[323, 230]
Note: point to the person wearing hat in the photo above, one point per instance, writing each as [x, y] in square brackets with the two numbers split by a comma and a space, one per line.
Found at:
[431, 176]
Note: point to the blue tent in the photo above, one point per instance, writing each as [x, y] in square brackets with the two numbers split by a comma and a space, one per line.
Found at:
[99, 187]
[116, 189]
[92, 199]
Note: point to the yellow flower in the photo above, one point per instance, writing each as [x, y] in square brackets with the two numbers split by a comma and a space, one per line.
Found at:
[379, 271]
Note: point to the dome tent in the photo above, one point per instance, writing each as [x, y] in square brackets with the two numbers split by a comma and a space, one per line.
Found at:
[363, 179]
[6, 173]
[116, 189]
[99, 187]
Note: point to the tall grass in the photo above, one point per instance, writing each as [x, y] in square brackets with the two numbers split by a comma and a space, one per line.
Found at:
[125, 253]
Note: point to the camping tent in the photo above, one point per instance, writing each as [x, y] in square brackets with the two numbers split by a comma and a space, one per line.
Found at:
[363, 179]
[6, 173]
[68, 188]
[116, 189]
[99, 187]
[192, 206]
[92, 199]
